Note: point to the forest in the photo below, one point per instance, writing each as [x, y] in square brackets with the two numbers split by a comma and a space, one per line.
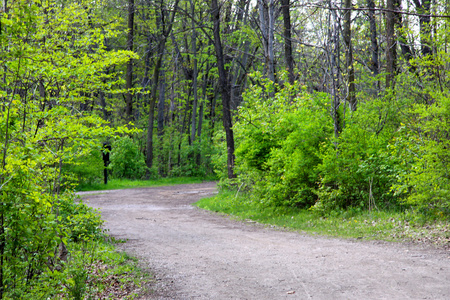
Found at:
[320, 105]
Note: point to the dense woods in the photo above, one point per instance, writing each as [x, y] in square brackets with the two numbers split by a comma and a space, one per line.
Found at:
[326, 105]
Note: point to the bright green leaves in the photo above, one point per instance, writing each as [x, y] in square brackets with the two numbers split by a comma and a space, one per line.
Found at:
[279, 136]
[127, 161]
[54, 65]
[424, 144]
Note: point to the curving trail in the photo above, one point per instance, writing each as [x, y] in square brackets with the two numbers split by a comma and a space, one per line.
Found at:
[196, 254]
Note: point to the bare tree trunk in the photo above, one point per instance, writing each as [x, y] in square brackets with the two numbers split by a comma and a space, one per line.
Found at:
[333, 53]
[225, 89]
[161, 103]
[391, 52]
[129, 75]
[238, 72]
[271, 37]
[351, 97]
[267, 24]
[194, 75]
[374, 63]
[288, 39]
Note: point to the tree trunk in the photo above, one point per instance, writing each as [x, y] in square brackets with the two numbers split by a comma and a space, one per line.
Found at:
[351, 97]
[334, 54]
[238, 71]
[402, 39]
[165, 31]
[161, 103]
[271, 37]
[374, 63]
[267, 24]
[224, 88]
[288, 40]
[129, 74]
[162, 96]
[194, 75]
[391, 52]
[424, 9]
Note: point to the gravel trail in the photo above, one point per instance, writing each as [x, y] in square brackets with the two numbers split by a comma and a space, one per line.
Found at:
[197, 254]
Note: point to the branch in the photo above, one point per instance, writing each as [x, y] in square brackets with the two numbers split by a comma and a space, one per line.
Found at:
[379, 9]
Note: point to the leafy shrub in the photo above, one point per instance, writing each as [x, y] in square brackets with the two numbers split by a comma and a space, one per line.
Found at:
[279, 142]
[358, 169]
[87, 168]
[127, 161]
[81, 221]
[425, 144]
[219, 156]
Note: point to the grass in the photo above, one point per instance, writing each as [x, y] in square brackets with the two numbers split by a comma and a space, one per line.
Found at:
[368, 225]
[93, 270]
[108, 274]
[116, 184]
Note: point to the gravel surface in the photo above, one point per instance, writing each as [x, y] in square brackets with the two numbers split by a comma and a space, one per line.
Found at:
[196, 254]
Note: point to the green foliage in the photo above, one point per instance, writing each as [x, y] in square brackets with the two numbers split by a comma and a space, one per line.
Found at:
[425, 144]
[127, 161]
[177, 156]
[49, 72]
[77, 283]
[219, 155]
[391, 153]
[91, 271]
[358, 169]
[82, 222]
[86, 169]
[279, 142]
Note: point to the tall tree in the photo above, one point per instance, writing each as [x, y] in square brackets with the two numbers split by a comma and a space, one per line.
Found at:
[165, 29]
[285, 6]
[224, 88]
[423, 8]
[129, 74]
[194, 71]
[391, 44]
[349, 68]
[267, 26]
[374, 62]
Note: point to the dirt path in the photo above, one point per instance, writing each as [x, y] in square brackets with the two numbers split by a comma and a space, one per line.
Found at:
[196, 254]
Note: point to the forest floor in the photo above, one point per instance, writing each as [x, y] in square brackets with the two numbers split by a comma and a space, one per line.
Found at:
[196, 254]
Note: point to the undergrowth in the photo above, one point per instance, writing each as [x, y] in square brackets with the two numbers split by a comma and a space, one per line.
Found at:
[97, 271]
[353, 223]
[115, 184]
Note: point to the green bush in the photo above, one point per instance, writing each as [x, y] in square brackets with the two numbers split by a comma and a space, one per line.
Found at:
[81, 221]
[127, 161]
[279, 142]
[87, 168]
[359, 168]
[424, 142]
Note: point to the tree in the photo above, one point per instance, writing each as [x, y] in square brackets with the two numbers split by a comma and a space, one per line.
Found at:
[423, 9]
[288, 39]
[164, 30]
[267, 18]
[129, 74]
[351, 97]
[374, 63]
[225, 90]
[391, 51]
